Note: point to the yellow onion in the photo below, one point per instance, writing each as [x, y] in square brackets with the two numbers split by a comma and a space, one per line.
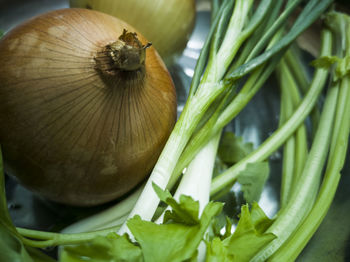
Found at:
[166, 23]
[85, 108]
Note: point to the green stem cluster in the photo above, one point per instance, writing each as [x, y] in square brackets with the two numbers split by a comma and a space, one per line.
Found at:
[278, 138]
[298, 240]
[223, 47]
[295, 148]
[337, 149]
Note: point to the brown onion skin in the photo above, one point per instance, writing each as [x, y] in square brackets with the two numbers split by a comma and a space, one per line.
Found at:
[68, 131]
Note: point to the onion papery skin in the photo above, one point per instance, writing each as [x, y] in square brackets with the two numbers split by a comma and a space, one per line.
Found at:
[168, 24]
[68, 131]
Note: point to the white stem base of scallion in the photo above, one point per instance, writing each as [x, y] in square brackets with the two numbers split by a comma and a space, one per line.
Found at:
[202, 251]
[197, 177]
[197, 180]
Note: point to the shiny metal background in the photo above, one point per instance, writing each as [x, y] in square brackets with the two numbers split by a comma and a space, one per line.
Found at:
[332, 240]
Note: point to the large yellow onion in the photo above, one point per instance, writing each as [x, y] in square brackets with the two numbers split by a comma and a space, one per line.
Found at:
[85, 108]
[166, 23]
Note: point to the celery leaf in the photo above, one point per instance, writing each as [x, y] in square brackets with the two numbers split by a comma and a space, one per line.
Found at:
[165, 242]
[342, 65]
[185, 211]
[102, 249]
[325, 61]
[232, 148]
[178, 238]
[253, 179]
[218, 252]
[248, 238]
[259, 219]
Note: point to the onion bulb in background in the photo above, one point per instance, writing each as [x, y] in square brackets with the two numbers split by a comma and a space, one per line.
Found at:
[85, 106]
[166, 23]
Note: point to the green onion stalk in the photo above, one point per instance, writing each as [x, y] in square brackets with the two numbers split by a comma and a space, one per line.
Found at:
[216, 86]
[210, 88]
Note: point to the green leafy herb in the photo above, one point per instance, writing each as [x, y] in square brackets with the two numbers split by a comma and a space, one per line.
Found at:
[342, 65]
[233, 149]
[185, 211]
[218, 252]
[248, 238]
[175, 240]
[253, 179]
[103, 249]
[178, 238]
